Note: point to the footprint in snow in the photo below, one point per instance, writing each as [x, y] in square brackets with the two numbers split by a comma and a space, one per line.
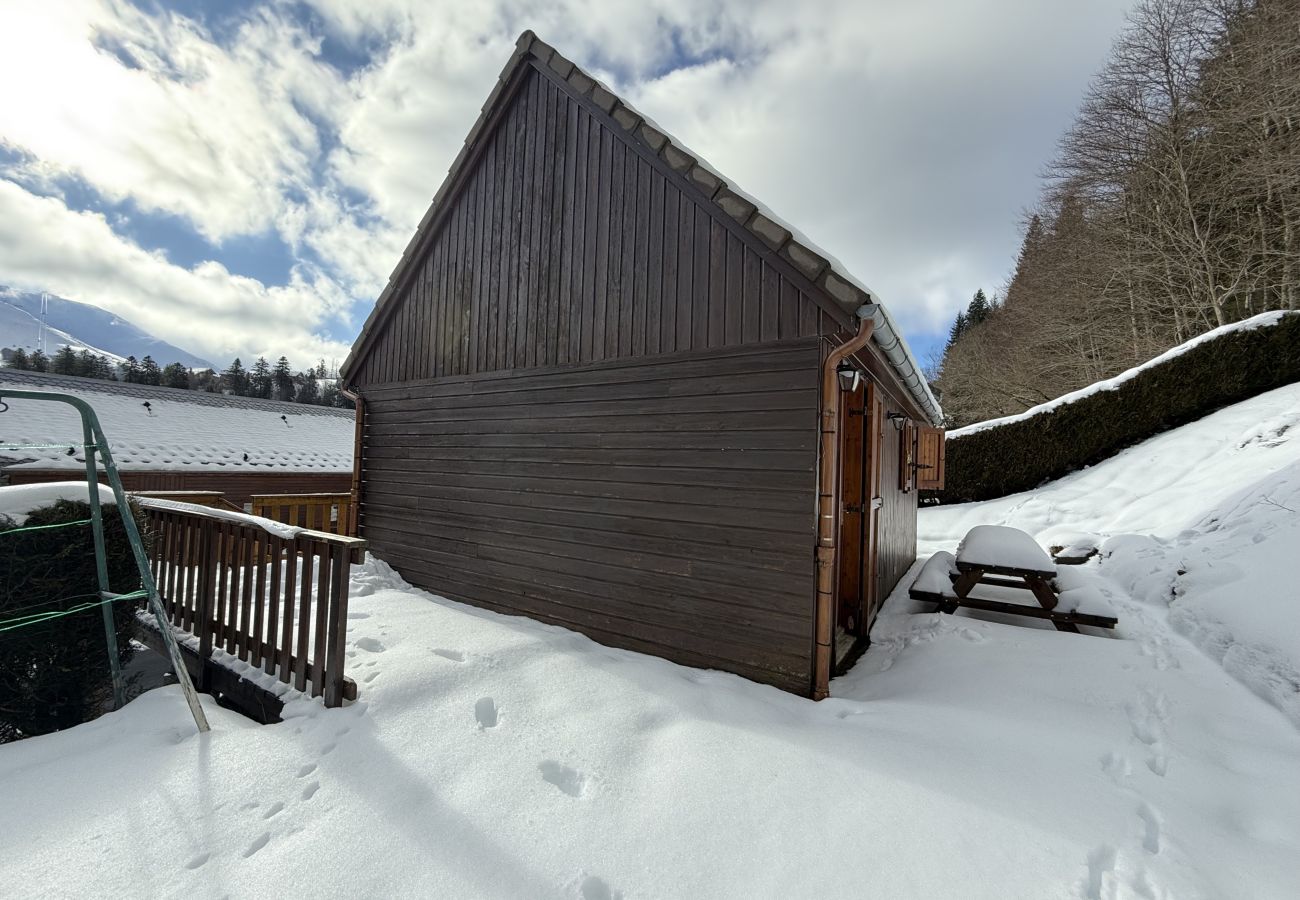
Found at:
[485, 710]
[197, 861]
[262, 840]
[1101, 863]
[453, 655]
[571, 781]
[594, 888]
[306, 770]
[371, 645]
[274, 810]
[1151, 827]
[310, 790]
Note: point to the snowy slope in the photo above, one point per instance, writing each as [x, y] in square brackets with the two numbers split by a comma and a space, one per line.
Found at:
[85, 325]
[19, 328]
[1201, 523]
[490, 756]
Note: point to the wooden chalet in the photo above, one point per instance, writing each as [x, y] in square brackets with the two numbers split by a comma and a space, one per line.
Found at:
[605, 389]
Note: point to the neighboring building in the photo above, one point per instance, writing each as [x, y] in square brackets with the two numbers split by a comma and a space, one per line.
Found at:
[165, 439]
[592, 392]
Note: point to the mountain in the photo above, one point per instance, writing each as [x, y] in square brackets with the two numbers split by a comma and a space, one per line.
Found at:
[82, 325]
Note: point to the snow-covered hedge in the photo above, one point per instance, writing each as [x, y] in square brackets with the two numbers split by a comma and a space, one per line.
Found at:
[1225, 366]
[55, 673]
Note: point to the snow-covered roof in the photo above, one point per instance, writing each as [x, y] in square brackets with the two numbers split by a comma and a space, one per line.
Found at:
[155, 428]
[822, 269]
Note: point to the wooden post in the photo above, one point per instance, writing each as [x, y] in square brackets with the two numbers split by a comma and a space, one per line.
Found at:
[207, 585]
[338, 628]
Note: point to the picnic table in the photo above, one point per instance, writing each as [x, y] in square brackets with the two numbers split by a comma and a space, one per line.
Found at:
[1001, 557]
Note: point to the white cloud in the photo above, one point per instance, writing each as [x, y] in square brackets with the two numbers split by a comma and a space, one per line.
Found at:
[903, 137]
[217, 314]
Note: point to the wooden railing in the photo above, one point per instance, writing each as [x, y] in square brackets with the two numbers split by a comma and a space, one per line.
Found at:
[274, 598]
[320, 512]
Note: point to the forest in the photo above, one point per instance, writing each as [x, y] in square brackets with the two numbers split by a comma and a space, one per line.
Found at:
[1172, 207]
[315, 385]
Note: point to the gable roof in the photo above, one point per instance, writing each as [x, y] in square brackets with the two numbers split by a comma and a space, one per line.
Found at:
[824, 271]
[179, 430]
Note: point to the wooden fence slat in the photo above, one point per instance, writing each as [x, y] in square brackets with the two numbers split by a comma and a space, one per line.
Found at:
[224, 533]
[335, 652]
[259, 602]
[287, 605]
[207, 587]
[304, 614]
[322, 623]
[246, 593]
[275, 550]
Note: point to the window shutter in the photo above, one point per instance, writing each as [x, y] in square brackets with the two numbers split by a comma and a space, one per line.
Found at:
[930, 458]
[907, 457]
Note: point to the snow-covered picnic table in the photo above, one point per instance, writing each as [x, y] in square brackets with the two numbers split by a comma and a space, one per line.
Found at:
[1003, 557]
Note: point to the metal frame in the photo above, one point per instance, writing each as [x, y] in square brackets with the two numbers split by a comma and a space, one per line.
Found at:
[94, 442]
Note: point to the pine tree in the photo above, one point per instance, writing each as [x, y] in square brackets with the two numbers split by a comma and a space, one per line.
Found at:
[64, 362]
[101, 368]
[329, 395]
[176, 375]
[282, 387]
[130, 370]
[959, 326]
[978, 309]
[149, 372]
[309, 388]
[19, 360]
[39, 361]
[235, 379]
[259, 379]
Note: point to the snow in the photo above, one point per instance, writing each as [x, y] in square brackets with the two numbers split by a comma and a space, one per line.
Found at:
[279, 529]
[964, 756]
[177, 431]
[999, 545]
[1263, 320]
[18, 501]
[1199, 524]
[934, 577]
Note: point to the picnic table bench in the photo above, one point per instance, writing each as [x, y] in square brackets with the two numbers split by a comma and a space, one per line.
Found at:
[1002, 557]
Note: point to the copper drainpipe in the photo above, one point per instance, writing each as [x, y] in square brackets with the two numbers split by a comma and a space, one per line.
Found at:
[828, 491]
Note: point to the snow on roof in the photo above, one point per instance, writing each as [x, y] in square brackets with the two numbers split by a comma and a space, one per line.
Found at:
[830, 275]
[176, 430]
[1263, 320]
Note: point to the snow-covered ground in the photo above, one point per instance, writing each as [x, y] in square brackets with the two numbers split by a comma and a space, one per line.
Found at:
[496, 757]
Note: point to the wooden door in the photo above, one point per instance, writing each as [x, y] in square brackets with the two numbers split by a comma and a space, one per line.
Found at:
[875, 423]
[853, 497]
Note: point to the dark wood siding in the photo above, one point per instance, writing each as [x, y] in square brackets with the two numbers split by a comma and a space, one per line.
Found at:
[663, 505]
[568, 244]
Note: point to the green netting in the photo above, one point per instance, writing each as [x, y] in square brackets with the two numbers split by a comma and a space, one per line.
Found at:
[37, 618]
[9, 531]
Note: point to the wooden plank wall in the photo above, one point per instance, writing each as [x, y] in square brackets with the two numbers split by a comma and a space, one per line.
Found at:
[897, 546]
[664, 505]
[567, 246]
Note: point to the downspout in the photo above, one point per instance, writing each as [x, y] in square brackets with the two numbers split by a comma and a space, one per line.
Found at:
[354, 514]
[828, 490]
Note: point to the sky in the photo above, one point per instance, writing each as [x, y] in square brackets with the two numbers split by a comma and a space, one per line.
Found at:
[240, 178]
